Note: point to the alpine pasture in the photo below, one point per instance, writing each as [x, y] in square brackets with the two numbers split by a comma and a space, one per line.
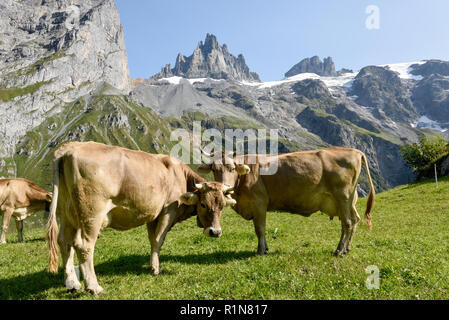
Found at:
[409, 244]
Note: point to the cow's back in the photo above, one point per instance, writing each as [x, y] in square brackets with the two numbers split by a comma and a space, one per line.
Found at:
[308, 179]
[19, 193]
[138, 184]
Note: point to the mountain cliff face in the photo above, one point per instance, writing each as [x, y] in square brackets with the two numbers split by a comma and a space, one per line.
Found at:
[210, 60]
[431, 94]
[53, 52]
[65, 77]
[383, 91]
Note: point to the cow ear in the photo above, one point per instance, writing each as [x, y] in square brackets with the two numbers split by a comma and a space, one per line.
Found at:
[189, 198]
[204, 168]
[242, 169]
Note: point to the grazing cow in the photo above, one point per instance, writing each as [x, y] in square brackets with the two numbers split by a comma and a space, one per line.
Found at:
[98, 186]
[20, 198]
[304, 183]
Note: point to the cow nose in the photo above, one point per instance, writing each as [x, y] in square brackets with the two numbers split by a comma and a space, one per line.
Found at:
[212, 232]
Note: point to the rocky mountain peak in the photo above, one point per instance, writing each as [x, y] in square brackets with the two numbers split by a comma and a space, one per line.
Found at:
[431, 67]
[210, 43]
[382, 90]
[210, 60]
[313, 65]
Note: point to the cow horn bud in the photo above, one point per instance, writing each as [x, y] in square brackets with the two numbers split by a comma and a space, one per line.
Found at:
[228, 189]
[230, 202]
[199, 186]
[210, 155]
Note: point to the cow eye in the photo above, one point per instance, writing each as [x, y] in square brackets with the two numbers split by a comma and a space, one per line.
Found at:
[203, 205]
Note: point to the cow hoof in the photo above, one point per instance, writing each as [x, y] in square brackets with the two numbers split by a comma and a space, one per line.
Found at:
[73, 286]
[262, 250]
[96, 290]
[155, 271]
[73, 290]
[338, 253]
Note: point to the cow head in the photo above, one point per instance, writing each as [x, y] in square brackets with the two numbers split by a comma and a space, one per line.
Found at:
[210, 199]
[226, 170]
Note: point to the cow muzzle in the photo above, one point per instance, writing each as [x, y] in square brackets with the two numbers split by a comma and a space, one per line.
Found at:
[212, 232]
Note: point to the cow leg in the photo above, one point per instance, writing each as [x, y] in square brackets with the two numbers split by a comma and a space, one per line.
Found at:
[65, 240]
[84, 245]
[85, 239]
[355, 218]
[7, 214]
[259, 221]
[91, 214]
[157, 230]
[339, 251]
[346, 227]
[19, 227]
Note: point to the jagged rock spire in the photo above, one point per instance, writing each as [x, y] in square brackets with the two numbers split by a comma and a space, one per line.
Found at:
[210, 60]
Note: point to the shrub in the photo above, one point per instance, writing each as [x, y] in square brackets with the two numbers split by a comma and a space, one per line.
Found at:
[420, 155]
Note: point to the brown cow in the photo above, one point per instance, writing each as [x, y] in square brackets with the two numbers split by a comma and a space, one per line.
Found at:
[20, 198]
[98, 186]
[305, 182]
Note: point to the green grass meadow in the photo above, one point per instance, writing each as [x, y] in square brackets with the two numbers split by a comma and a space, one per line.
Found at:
[409, 244]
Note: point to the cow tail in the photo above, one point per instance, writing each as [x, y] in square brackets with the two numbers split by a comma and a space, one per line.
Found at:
[370, 202]
[52, 225]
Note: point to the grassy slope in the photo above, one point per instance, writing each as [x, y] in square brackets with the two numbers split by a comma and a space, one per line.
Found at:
[95, 121]
[409, 243]
[7, 94]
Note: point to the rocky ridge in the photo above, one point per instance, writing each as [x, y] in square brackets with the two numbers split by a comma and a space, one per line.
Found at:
[314, 65]
[375, 109]
[209, 60]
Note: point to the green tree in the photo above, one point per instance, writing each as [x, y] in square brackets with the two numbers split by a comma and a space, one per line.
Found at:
[420, 155]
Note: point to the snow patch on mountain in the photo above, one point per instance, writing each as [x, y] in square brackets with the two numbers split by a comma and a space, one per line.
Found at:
[404, 69]
[344, 80]
[176, 80]
[426, 123]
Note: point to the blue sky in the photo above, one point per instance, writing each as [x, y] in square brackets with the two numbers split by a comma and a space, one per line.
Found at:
[275, 35]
